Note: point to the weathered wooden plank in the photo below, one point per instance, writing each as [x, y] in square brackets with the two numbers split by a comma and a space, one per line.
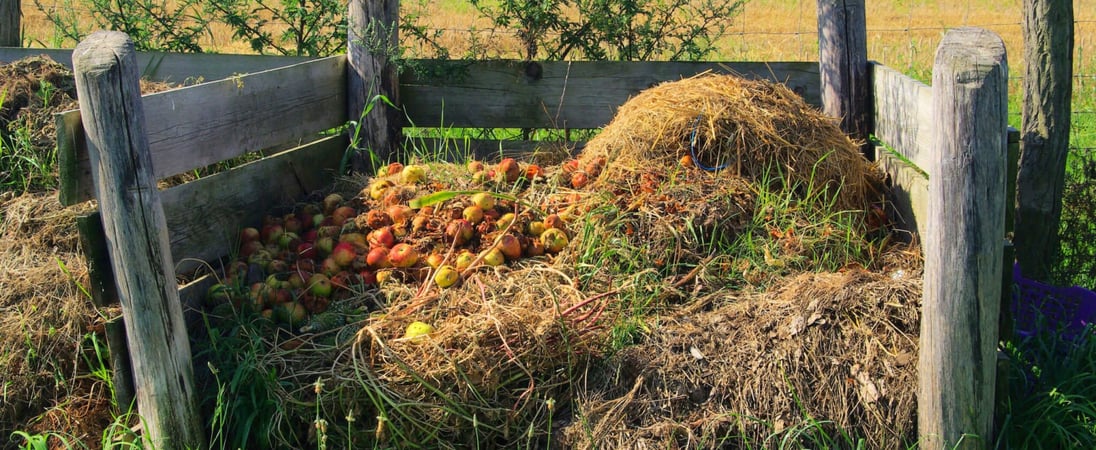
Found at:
[843, 64]
[964, 232]
[175, 67]
[516, 94]
[903, 113]
[204, 216]
[908, 194]
[109, 91]
[193, 127]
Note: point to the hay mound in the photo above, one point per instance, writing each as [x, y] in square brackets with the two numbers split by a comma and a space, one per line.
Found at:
[840, 348]
[732, 127]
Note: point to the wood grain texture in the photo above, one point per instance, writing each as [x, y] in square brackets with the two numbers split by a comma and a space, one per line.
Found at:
[518, 94]
[373, 35]
[843, 64]
[903, 115]
[104, 292]
[136, 233]
[181, 68]
[204, 216]
[10, 24]
[963, 242]
[196, 126]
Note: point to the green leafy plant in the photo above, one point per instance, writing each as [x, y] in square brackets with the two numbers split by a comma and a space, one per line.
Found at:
[155, 26]
[639, 30]
[307, 27]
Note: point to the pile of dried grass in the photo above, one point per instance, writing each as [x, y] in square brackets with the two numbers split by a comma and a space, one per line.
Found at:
[839, 349]
[747, 129]
[43, 315]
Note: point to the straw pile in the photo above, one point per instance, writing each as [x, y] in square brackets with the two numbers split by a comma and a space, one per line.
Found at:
[820, 355]
[737, 128]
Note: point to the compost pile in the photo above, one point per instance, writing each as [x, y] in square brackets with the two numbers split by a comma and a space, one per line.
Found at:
[49, 329]
[594, 303]
[44, 318]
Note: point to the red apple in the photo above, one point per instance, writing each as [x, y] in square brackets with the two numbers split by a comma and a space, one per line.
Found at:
[511, 168]
[434, 259]
[346, 212]
[305, 265]
[381, 237]
[475, 166]
[331, 202]
[270, 233]
[394, 168]
[403, 256]
[510, 246]
[377, 258]
[344, 253]
[554, 221]
[292, 224]
[459, 230]
[399, 213]
[249, 234]
[329, 267]
[579, 180]
[376, 218]
[249, 248]
[533, 172]
[569, 167]
[368, 277]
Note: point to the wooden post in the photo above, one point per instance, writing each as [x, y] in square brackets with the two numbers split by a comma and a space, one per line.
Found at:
[107, 85]
[843, 65]
[965, 230]
[1044, 133]
[373, 33]
[10, 28]
[103, 294]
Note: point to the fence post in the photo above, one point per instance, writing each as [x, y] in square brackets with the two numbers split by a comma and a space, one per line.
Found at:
[843, 65]
[107, 85]
[963, 242]
[9, 24]
[373, 35]
[1044, 139]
